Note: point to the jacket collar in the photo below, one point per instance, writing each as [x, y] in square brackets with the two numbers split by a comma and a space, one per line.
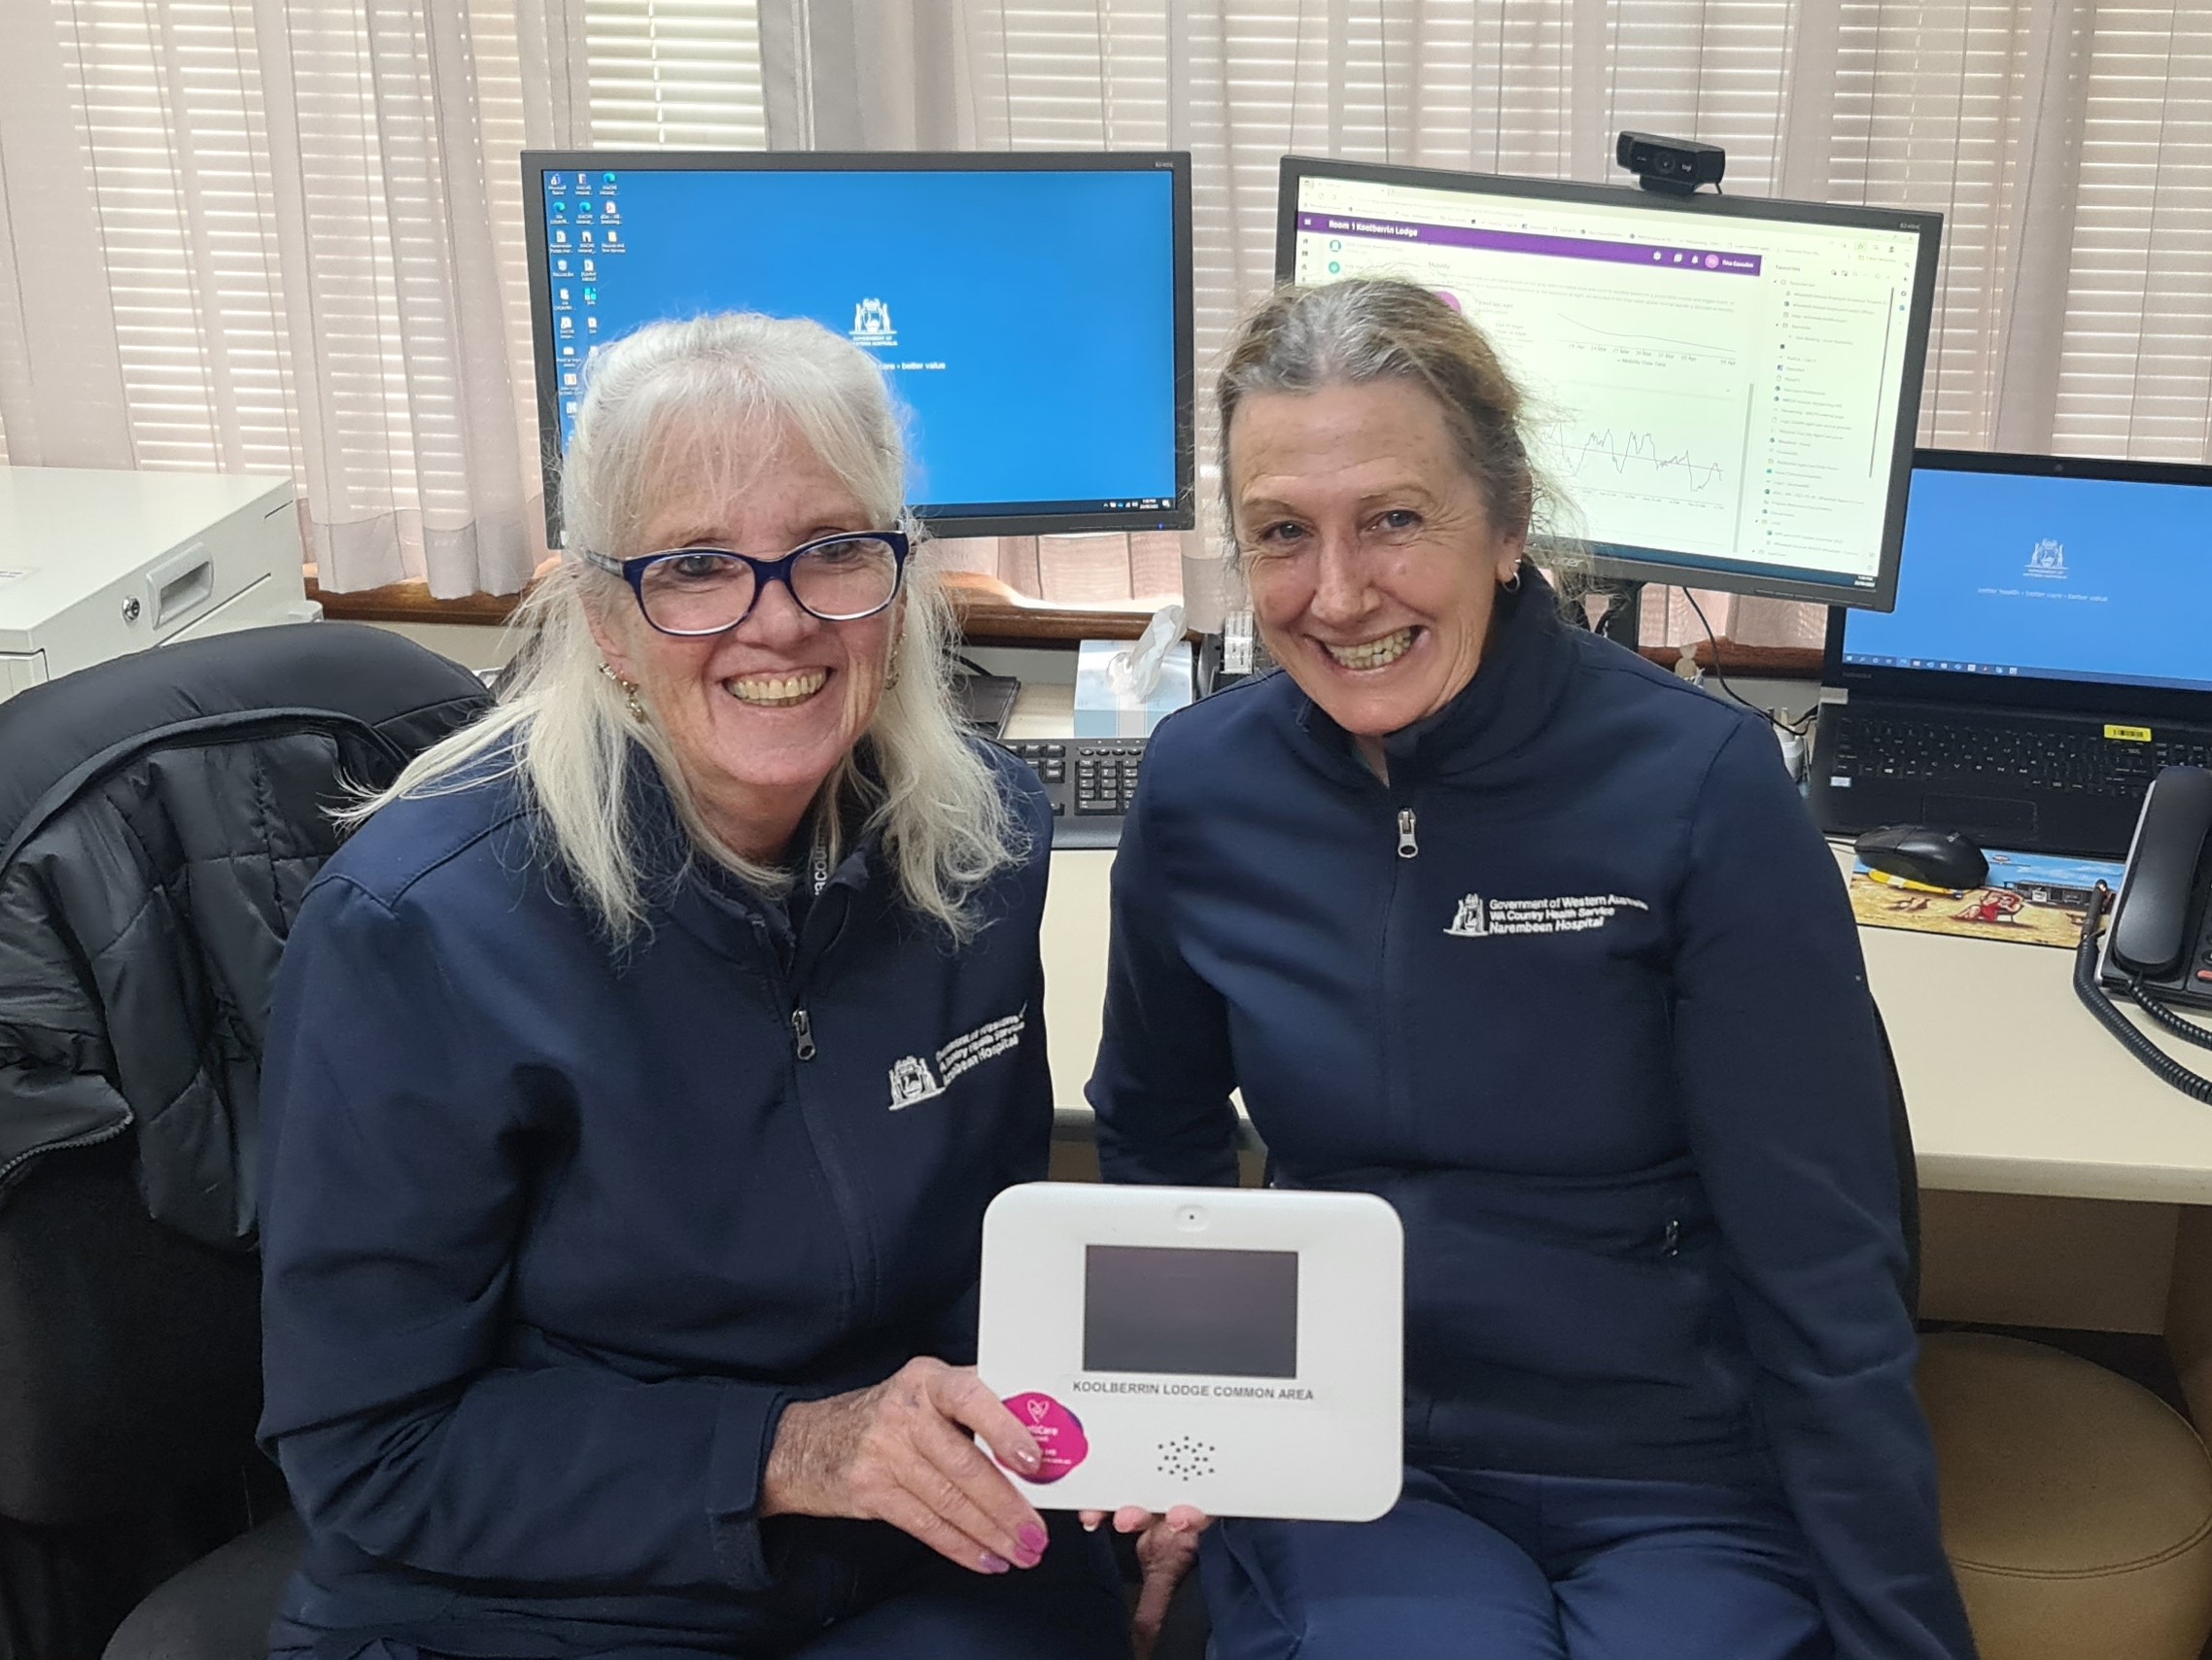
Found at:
[1517, 687]
[680, 880]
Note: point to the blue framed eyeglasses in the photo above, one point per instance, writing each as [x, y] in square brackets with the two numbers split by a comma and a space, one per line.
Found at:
[693, 591]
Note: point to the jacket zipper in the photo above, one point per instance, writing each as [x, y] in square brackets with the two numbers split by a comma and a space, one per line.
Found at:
[818, 880]
[858, 1244]
[1409, 848]
[69, 1144]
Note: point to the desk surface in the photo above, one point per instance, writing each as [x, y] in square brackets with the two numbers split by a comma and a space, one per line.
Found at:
[2012, 1087]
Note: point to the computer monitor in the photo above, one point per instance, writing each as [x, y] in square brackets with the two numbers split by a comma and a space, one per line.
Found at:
[1727, 388]
[1031, 310]
[2027, 571]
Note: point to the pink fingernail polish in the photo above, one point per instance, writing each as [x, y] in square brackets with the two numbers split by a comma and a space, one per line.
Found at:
[995, 1564]
[1034, 1539]
[1058, 1432]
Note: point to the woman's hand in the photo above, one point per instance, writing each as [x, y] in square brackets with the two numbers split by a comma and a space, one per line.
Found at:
[899, 1453]
[1166, 1547]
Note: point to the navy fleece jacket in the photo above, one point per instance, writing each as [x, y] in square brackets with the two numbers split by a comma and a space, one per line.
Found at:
[553, 1233]
[1578, 991]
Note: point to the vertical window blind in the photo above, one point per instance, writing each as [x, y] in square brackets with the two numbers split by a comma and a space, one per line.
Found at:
[308, 215]
[2065, 141]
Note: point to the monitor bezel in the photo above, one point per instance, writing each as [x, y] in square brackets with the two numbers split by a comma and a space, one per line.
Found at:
[2004, 691]
[1882, 596]
[1181, 516]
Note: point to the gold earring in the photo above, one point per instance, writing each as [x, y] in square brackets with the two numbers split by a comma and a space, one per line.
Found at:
[629, 691]
[891, 673]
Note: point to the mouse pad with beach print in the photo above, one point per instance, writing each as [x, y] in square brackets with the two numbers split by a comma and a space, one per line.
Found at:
[2031, 899]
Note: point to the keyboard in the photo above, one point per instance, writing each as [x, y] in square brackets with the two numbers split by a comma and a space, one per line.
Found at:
[1091, 782]
[2069, 760]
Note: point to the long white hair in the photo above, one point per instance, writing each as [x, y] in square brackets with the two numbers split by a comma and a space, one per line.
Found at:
[946, 826]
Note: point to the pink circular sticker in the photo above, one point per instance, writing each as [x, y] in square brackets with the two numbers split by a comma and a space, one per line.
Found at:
[1060, 1436]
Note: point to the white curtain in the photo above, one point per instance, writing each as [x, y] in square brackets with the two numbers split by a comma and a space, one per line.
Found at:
[286, 234]
[283, 235]
[2063, 140]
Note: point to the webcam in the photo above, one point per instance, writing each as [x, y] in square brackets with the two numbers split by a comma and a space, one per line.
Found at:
[1675, 165]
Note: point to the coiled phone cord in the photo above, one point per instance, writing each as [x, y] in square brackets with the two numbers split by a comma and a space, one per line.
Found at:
[2094, 998]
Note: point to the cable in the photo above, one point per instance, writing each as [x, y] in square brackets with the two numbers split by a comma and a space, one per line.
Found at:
[1799, 730]
[2109, 1017]
[2164, 1014]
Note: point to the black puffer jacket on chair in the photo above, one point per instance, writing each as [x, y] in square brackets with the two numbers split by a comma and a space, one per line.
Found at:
[160, 819]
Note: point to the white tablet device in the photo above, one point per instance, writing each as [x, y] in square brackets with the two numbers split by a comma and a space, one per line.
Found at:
[1237, 1349]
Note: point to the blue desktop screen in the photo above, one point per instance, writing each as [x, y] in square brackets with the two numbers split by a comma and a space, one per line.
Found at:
[2070, 578]
[1025, 318]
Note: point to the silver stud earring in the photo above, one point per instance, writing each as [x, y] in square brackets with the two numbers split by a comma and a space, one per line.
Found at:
[629, 691]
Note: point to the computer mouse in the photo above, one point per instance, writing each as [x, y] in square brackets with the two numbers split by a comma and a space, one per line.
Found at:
[1924, 853]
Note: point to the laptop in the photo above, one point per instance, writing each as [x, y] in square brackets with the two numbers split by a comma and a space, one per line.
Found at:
[2050, 651]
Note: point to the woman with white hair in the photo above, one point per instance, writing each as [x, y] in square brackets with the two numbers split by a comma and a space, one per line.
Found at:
[639, 1073]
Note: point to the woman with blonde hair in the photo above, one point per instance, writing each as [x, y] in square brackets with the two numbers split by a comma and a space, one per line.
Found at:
[639, 1072]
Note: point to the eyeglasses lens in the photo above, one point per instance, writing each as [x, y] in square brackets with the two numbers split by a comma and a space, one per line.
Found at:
[704, 592]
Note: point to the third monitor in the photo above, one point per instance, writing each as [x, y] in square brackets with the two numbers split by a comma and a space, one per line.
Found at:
[1725, 387]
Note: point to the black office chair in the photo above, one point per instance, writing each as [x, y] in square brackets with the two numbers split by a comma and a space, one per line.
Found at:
[160, 819]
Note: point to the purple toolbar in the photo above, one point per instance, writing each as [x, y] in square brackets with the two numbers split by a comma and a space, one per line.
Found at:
[1525, 242]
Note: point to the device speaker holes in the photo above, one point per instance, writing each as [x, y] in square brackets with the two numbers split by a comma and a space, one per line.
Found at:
[1185, 1457]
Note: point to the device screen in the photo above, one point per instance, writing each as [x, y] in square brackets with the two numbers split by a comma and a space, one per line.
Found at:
[1712, 394]
[1026, 319]
[1167, 1309]
[2101, 579]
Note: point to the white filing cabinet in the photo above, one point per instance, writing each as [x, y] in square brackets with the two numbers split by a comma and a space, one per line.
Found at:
[94, 565]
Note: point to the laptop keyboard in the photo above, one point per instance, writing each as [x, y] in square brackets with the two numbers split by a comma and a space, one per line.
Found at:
[1092, 782]
[2065, 760]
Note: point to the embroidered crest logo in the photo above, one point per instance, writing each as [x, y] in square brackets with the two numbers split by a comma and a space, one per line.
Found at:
[1478, 919]
[912, 1081]
[915, 1079]
[1471, 921]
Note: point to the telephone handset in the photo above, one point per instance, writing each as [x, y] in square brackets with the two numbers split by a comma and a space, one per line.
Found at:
[2159, 950]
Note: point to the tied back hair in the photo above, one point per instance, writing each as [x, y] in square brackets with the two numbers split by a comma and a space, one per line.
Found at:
[658, 404]
[1355, 333]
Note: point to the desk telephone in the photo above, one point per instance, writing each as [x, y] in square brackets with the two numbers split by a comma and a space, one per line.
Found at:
[2158, 952]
